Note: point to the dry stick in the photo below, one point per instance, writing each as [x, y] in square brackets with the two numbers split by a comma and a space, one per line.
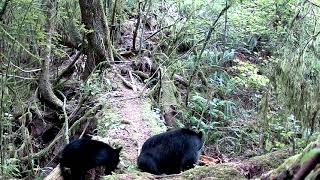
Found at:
[19, 77]
[160, 84]
[313, 3]
[29, 148]
[59, 135]
[125, 82]
[161, 29]
[133, 86]
[204, 109]
[145, 86]
[66, 123]
[26, 71]
[141, 74]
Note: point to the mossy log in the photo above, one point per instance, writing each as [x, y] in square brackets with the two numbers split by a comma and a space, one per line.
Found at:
[246, 169]
[292, 165]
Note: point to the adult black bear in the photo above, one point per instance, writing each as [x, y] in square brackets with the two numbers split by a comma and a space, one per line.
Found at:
[84, 154]
[170, 152]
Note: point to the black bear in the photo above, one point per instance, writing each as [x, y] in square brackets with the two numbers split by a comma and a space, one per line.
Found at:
[82, 155]
[170, 152]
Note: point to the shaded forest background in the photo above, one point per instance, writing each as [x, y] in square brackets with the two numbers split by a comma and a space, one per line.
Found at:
[247, 73]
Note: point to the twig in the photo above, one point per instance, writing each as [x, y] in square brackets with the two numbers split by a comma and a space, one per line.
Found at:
[206, 107]
[26, 71]
[125, 82]
[19, 77]
[66, 123]
[212, 28]
[161, 29]
[133, 86]
[202, 50]
[25, 49]
[313, 3]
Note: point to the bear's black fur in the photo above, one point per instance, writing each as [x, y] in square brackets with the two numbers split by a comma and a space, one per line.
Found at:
[170, 152]
[84, 154]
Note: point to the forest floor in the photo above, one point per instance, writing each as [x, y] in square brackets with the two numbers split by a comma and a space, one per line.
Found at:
[128, 120]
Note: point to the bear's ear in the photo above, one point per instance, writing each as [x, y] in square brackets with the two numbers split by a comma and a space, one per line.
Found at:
[118, 150]
[200, 134]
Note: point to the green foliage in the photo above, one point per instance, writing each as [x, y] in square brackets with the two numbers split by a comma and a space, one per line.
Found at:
[10, 167]
[214, 110]
[217, 118]
[96, 84]
[295, 73]
[247, 75]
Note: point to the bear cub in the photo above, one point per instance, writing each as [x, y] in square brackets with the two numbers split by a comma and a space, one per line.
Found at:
[171, 152]
[82, 155]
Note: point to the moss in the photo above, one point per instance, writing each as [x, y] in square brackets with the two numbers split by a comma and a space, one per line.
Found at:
[271, 160]
[286, 164]
[109, 118]
[152, 119]
[219, 171]
[133, 175]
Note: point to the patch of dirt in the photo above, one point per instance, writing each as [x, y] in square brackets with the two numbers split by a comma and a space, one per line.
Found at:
[125, 122]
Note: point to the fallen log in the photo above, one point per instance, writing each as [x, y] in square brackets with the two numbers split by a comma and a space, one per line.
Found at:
[246, 169]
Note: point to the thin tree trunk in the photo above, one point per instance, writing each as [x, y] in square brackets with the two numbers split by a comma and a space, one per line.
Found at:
[45, 88]
[99, 47]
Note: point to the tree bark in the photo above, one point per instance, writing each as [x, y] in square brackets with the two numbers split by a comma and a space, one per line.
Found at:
[46, 93]
[99, 47]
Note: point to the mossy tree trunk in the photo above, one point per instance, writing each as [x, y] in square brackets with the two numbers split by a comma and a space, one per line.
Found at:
[99, 47]
[46, 93]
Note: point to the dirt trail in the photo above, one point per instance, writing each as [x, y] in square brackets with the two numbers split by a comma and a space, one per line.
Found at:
[128, 121]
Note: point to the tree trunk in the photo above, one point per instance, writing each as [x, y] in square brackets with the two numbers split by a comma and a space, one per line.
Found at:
[46, 93]
[99, 46]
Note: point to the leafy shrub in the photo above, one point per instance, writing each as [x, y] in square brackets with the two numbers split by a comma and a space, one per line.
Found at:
[247, 75]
